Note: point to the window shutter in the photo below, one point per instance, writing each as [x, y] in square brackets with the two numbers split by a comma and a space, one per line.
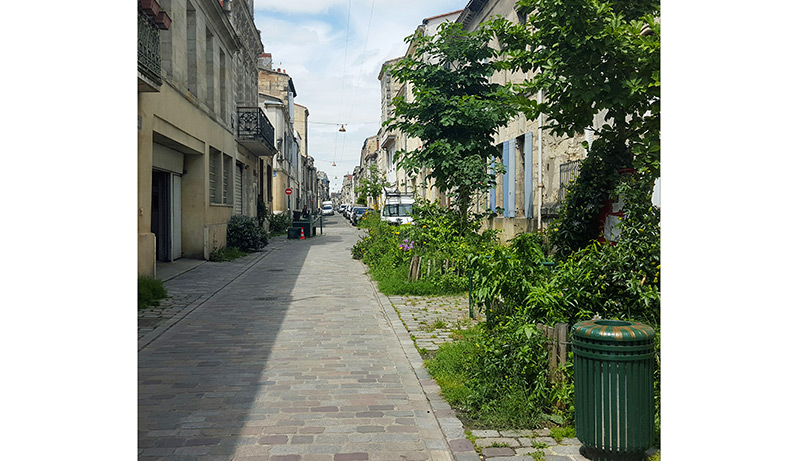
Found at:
[237, 193]
[527, 148]
[505, 179]
[212, 176]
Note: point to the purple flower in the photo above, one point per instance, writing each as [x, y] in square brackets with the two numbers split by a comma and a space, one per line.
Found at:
[406, 245]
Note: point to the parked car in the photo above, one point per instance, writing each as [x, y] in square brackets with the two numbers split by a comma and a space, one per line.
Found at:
[327, 210]
[357, 213]
[342, 207]
[347, 212]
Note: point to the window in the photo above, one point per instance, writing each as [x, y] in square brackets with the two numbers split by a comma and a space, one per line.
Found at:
[220, 177]
[222, 86]
[209, 70]
[191, 47]
[568, 172]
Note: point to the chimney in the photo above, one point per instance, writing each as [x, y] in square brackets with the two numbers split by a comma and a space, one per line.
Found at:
[265, 61]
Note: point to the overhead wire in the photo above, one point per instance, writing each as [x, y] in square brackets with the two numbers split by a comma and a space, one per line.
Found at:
[344, 70]
[361, 66]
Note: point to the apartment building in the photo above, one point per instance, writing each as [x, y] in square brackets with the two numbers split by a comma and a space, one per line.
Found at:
[200, 143]
[276, 93]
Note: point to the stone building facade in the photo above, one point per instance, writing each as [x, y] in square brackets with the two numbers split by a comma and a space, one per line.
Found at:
[276, 94]
[197, 166]
[538, 165]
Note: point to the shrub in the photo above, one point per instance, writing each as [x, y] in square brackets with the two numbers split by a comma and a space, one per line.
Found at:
[504, 276]
[499, 377]
[150, 292]
[279, 223]
[245, 234]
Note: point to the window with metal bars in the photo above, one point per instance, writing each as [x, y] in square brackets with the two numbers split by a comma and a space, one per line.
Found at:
[568, 172]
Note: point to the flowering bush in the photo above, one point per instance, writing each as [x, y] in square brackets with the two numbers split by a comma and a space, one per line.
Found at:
[406, 245]
[436, 234]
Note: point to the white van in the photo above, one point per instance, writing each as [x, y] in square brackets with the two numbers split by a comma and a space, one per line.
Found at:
[327, 208]
[397, 209]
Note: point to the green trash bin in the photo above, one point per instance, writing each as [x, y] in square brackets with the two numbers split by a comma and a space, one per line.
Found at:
[293, 233]
[614, 401]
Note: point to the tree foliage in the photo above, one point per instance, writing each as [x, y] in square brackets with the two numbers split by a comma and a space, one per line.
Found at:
[589, 58]
[371, 184]
[455, 109]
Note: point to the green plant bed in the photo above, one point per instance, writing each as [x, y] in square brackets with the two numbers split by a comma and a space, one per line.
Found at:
[495, 378]
[394, 281]
[151, 291]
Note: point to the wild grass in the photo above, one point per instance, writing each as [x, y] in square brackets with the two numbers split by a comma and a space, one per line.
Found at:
[151, 291]
[561, 433]
[226, 254]
[394, 281]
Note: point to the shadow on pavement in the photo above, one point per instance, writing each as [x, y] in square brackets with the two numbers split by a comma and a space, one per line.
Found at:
[199, 379]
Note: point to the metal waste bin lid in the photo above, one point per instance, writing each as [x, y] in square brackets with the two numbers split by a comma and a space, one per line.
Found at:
[613, 330]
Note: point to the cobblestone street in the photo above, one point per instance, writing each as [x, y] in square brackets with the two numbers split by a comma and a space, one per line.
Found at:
[290, 353]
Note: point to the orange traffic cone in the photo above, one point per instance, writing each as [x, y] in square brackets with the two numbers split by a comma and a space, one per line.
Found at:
[302, 234]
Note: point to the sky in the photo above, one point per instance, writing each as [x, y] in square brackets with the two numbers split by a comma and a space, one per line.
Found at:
[333, 50]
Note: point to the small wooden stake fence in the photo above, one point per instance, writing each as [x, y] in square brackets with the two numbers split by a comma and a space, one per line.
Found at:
[420, 268]
[559, 346]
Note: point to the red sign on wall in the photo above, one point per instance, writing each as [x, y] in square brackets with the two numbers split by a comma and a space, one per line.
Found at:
[288, 191]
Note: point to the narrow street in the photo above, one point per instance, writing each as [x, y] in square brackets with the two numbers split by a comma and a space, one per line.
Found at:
[294, 358]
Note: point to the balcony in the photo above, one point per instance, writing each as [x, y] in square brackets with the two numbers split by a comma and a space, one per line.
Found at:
[149, 54]
[255, 132]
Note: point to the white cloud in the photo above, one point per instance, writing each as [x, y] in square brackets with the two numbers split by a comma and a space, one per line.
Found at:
[307, 38]
[301, 6]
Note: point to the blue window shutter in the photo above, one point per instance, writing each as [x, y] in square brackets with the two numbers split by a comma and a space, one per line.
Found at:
[505, 180]
[528, 151]
[512, 178]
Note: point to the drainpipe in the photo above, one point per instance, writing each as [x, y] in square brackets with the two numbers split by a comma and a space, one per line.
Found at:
[540, 185]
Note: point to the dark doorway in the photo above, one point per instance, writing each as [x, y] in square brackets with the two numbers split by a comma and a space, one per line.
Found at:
[160, 216]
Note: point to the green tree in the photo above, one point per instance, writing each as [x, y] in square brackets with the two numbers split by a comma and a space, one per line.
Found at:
[455, 110]
[372, 183]
[591, 57]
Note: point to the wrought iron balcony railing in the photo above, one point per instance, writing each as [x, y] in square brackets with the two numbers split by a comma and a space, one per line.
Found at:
[149, 48]
[255, 131]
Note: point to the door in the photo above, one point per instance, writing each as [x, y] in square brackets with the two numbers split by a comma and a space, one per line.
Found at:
[175, 221]
[159, 214]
